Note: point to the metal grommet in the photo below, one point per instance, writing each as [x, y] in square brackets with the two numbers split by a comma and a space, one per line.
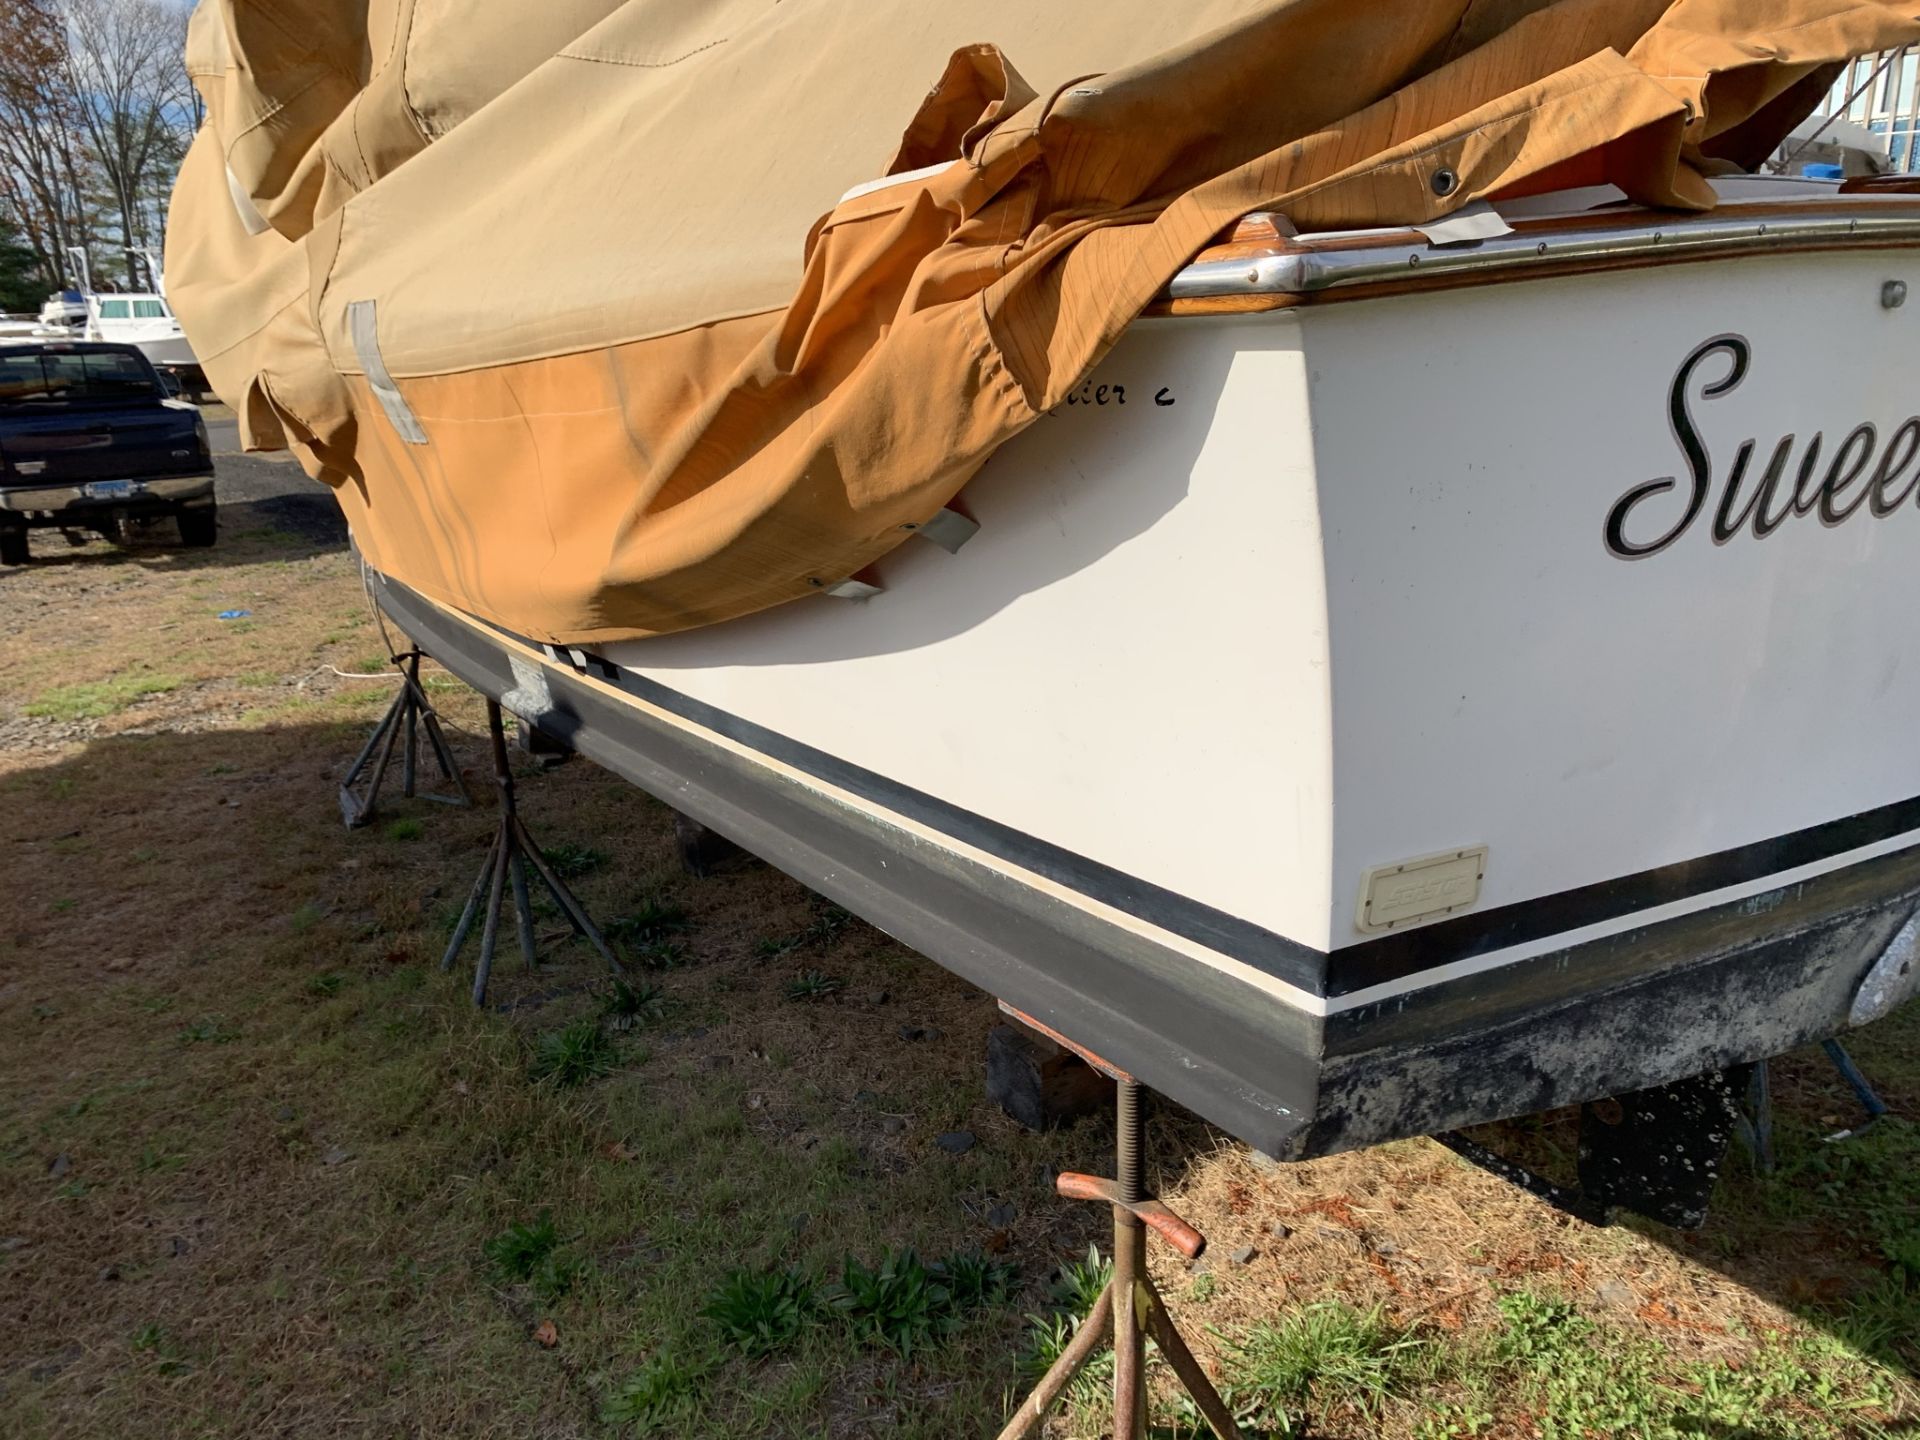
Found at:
[1444, 182]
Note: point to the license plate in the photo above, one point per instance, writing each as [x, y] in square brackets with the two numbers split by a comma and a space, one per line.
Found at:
[112, 489]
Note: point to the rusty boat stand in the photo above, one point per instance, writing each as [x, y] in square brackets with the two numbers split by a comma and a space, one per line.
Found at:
[1129, 1309]
[410, 714]
[512, 851]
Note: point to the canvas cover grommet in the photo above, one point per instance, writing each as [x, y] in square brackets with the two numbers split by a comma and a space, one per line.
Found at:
[366, 346]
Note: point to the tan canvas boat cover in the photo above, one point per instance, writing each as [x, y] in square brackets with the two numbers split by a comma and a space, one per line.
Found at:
[564, 301]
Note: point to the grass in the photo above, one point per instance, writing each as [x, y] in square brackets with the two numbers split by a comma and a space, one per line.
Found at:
[1325, 1357]
[813, 985]
[824, 925]
[628, 1004]
[760, 1311]
[894, 1303]
[574, 1055]
[650, 921]
[208, 1030]
[662, 1396]
[897, 1303]
[519, 1250]
[1071, 1297]
[332, 1202]
[571, 862]
[93, 699]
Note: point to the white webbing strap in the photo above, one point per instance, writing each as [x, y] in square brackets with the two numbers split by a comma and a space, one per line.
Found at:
[366, 345]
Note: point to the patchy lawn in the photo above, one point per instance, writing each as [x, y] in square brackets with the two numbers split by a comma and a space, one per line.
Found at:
[264, 1170]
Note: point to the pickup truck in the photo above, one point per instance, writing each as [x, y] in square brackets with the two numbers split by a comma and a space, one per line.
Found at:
[91, 437]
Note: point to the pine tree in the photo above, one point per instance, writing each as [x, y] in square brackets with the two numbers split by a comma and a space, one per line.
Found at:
[23, 285]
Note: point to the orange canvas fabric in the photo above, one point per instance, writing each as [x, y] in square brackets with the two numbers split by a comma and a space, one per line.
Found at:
[663, 375]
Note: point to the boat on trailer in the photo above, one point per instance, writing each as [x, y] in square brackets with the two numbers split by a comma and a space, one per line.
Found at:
[1420, 677]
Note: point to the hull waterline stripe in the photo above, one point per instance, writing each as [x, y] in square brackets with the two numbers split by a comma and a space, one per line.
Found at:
[1564, 940]
[1426, 955]
[1289, 961]
[1306, 978]
[1374, 963]
[622, 683]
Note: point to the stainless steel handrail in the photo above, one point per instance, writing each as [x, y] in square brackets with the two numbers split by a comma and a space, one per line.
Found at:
[1309, 271]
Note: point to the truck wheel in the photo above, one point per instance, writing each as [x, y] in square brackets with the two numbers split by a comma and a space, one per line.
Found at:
[197, 527]
[13, 546]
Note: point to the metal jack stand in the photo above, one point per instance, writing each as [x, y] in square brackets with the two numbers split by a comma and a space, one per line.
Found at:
[1862, 1089]
[410, 712]
[1129, 1308]
[1755, 1126]
[513, 849]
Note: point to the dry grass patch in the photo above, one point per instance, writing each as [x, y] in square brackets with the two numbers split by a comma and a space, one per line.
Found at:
[263, 1170]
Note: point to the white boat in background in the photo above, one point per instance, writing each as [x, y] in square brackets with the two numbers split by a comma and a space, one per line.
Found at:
[143, 320]
[65, 312]
[140, 318]
[1421, 677]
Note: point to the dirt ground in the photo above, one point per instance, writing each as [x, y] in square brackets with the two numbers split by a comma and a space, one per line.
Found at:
[261, 1161]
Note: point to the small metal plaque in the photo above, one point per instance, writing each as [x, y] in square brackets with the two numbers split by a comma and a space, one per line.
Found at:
[1395, 896]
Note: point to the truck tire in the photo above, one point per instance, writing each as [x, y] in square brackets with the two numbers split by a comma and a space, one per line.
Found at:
[197, 527]
[13, 545]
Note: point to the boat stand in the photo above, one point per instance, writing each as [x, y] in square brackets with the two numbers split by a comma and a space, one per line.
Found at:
[512, 850]
[411, 713]
[1129, 1308]
[1756, 1124]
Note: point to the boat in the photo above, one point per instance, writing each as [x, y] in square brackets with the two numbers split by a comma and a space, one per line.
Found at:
[1413, 763]
[140, 318]
[1421, 650]
[64, 312]
[144, 320]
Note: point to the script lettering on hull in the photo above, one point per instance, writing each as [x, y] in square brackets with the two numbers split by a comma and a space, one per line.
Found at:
[1860, 474]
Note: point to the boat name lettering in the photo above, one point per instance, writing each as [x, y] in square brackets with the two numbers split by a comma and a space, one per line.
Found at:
[1090, 394]
[1877, 477]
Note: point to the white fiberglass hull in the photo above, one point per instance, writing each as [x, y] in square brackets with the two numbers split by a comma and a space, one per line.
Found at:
[167, 351]
[1344, 600]
[1279, 603]
[162, 341]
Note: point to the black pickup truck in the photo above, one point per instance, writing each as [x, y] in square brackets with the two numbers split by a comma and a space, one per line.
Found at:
[90, 438]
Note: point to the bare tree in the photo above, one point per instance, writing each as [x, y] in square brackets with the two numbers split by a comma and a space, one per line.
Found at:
[43, 167]
[123, 66]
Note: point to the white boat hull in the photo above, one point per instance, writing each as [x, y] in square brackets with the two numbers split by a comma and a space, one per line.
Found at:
[167, 351]
[1279, 603]
[1345, 622]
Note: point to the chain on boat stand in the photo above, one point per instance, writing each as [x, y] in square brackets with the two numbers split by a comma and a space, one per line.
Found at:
[512, 850]
[411, 713]
[1129, 1307]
